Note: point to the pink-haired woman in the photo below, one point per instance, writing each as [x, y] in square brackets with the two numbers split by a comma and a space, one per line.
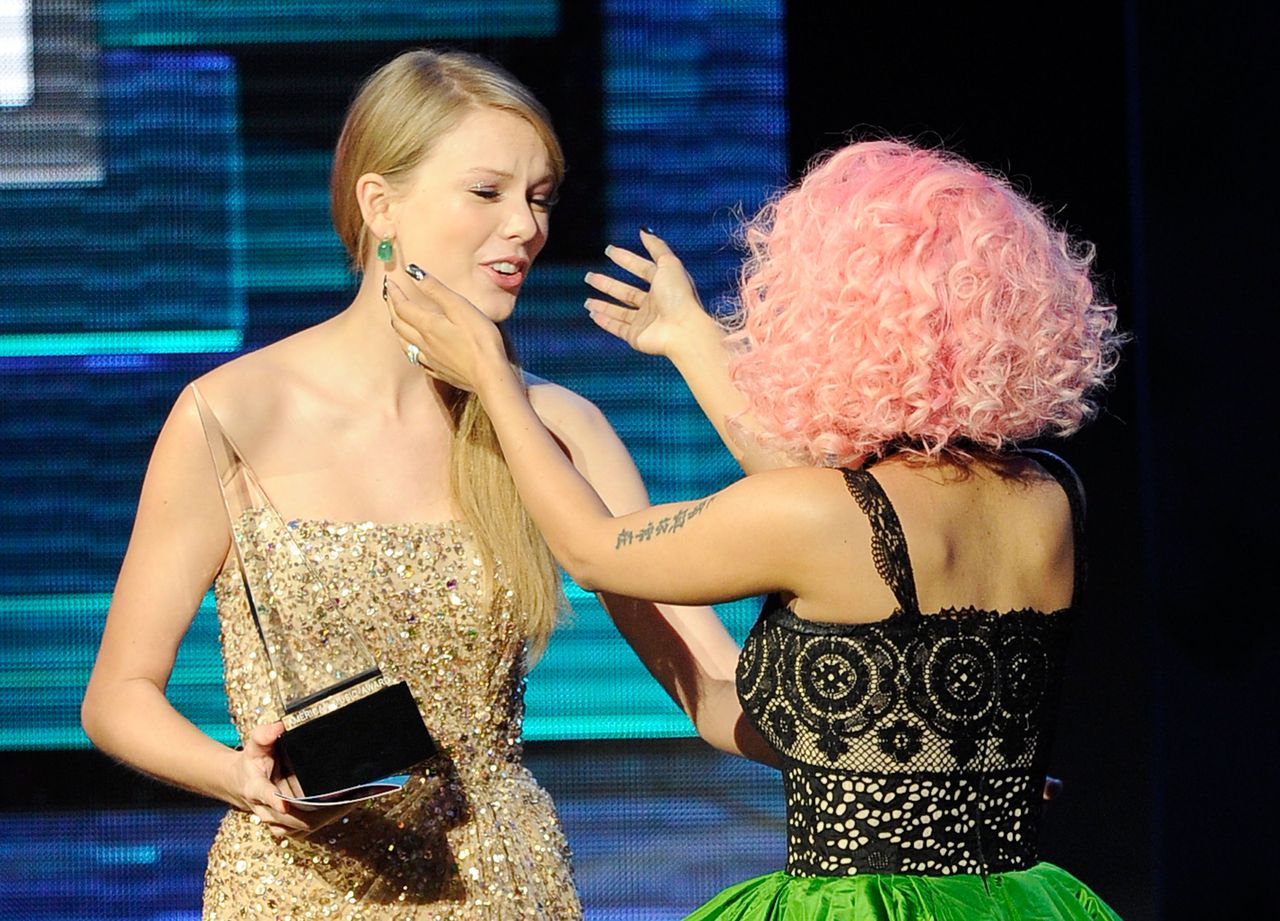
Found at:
[906, 322]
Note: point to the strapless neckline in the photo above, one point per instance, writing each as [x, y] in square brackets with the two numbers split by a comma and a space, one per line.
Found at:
[336, 525]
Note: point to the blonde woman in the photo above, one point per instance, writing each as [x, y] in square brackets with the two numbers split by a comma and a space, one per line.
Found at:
[396, 487]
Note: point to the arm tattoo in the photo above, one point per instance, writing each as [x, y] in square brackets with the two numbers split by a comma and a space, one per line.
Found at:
[668, 524]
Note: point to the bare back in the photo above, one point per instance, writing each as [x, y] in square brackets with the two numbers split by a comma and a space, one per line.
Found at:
[995, 536]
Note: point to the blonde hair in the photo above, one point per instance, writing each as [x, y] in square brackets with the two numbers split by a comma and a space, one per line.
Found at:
[406, 105]
[399, 112]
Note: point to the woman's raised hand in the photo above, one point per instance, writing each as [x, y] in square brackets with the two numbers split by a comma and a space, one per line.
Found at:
[442, 331]
[656, 317]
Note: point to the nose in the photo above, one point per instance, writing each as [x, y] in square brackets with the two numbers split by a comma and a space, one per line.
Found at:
[522, 223]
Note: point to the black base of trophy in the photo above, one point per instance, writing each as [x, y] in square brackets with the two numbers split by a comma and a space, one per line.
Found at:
[363, 741]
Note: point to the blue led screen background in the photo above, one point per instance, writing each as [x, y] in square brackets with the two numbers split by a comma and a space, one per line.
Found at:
[162, 207]
[195, 226]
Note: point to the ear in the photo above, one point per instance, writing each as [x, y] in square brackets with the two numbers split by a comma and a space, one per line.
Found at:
[375, 197]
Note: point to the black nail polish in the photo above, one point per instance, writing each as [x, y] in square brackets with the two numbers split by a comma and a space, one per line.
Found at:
[384, 287]
[416, 273]
[648, 230]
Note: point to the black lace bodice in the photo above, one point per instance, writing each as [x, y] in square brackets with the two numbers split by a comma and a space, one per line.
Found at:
[917, 743]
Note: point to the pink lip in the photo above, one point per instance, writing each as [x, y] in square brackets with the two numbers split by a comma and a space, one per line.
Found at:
[510, 282]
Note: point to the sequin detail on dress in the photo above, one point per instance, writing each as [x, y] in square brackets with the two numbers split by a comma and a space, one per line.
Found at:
[472, 836]
[913, 744]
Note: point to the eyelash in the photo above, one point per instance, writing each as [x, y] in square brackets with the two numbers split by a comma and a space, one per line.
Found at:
[488, 194]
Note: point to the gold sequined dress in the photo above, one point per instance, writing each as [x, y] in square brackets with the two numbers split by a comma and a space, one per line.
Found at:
[472, 836]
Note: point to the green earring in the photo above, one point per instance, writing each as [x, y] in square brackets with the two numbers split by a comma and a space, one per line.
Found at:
[384, 249]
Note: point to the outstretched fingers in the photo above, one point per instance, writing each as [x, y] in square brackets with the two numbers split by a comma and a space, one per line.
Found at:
[620, 291]
[618, 313]
[609, 320]
[656, 246]
[625, 259]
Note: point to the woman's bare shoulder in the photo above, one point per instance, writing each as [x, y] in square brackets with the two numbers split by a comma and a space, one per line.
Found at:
[1001, 499]
[576, 421]
[555, 403]
[256, 389]
[817, 495]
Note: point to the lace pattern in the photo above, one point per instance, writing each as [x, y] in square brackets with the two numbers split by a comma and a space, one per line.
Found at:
[923, 824]
[913, 744]
[888, 543]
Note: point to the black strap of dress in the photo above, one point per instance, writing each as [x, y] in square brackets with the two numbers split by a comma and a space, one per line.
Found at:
[1071, 485]
[889, 544]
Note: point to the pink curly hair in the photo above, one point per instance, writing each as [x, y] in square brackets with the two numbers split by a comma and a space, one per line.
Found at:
[902, 298]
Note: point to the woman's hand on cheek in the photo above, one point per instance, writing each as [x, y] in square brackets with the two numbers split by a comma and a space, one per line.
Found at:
[442, 331]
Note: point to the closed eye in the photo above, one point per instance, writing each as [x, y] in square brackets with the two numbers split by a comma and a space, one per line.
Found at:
[542, 202]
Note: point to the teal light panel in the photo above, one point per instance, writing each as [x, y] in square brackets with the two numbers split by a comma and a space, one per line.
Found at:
[156, 248]
[140, 23]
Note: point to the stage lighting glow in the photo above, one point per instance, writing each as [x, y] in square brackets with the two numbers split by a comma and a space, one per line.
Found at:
[17, 63]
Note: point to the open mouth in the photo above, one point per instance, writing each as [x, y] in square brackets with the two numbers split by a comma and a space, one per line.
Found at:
[505, 274]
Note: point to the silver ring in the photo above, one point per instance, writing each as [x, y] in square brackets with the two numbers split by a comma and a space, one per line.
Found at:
[412, 353]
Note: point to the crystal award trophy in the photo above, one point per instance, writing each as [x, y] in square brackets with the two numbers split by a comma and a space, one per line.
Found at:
[347, 725]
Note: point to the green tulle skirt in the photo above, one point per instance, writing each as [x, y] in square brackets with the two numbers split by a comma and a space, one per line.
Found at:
[1042, 893]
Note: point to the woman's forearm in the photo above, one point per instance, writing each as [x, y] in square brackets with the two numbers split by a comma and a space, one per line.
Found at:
[133, 722]
[561, 502]
[702, 360]
[663, 315]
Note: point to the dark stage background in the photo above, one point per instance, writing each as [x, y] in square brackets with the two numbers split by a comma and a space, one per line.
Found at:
[1138, 123]
[1143, 122]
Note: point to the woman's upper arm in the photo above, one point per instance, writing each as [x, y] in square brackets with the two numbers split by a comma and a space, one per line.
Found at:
[594, 447]
[751, 538]
[179, 541]
[725, 546]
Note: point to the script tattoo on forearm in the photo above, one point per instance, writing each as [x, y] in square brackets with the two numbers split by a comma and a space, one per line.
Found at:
[666, 525]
